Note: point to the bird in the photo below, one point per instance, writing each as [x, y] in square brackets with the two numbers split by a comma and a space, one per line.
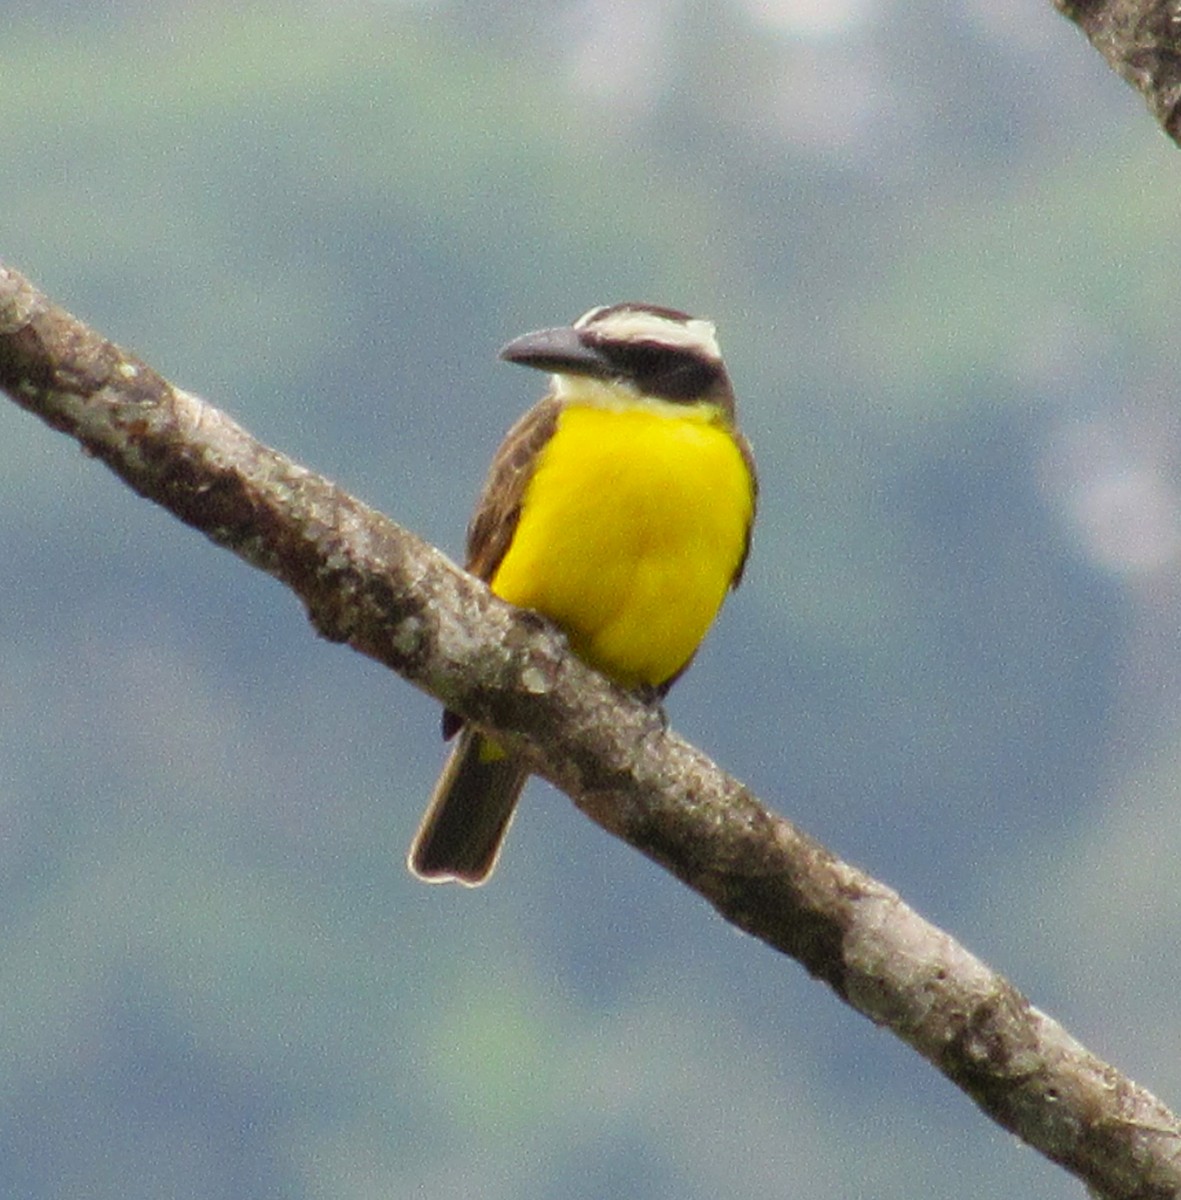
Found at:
[620, 507]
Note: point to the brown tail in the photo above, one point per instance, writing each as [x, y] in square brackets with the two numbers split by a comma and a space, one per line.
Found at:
[468, 814]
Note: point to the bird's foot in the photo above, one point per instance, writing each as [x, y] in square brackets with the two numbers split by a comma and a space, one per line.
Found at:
[653, 700]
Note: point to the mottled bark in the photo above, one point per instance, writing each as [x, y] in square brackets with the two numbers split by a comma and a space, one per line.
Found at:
[1141, 40]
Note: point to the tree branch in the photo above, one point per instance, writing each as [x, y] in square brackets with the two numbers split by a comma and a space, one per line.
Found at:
[371, 584]
[1141, 40]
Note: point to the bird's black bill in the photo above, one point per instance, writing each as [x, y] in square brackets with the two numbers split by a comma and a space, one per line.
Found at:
[559, 350]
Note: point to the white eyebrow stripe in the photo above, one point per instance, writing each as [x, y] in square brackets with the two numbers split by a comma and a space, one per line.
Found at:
[636, 325]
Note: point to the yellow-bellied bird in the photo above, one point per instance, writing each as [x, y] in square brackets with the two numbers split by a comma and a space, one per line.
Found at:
[620, 507]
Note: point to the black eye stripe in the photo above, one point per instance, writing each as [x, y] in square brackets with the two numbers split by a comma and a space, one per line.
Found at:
[658, 369]
[646, 357]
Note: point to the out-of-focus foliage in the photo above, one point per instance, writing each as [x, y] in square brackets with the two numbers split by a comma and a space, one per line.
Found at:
[936, 240]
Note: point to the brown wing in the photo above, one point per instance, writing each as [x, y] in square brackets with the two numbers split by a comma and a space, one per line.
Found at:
[498, 509]
[494, 521]
[748, 458]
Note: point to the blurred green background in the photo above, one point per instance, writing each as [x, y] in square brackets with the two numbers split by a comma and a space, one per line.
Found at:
[939, 244]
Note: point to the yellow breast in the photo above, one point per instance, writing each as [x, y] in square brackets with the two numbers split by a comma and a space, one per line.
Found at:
[632, 527]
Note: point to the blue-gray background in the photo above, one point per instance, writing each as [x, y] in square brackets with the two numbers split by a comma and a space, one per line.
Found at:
[940, 243]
